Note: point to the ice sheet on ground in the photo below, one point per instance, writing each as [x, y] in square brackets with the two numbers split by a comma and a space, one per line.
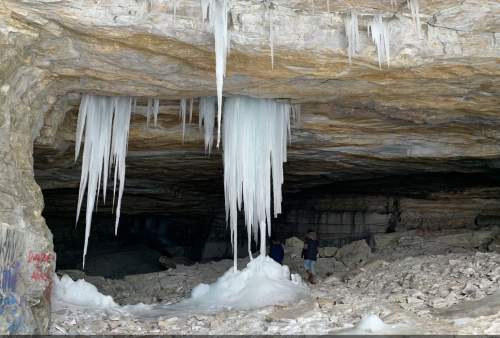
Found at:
[263, 282]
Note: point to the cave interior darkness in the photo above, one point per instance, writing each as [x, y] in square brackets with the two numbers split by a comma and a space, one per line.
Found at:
[173, 203]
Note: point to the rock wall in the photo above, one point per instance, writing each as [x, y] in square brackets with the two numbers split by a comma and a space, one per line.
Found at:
[27, 259]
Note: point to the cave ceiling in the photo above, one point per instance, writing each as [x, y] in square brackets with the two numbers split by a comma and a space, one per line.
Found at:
[435, 110]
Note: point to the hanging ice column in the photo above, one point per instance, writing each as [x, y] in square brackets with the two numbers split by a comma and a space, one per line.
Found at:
[415, 14]
[352, 32]
[107, 121]
[381, 37]
[254, 135]
[216, 12]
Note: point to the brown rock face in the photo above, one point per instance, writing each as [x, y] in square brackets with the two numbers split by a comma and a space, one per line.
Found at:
[413, 146]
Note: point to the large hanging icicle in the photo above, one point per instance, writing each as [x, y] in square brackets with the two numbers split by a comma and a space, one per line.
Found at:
[105, 141]
[255, 135]
[381, 37]
[352, 32]
[415, 14]
[190, 111]
[216, 11]
[207, 117]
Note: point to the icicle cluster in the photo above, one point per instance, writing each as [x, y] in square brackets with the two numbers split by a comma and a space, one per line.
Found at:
[255, 134]
[352, 32]
[207, 117]
[153, 106]
[106, 121]
[216, 11]
[381, 37]
[415, 14]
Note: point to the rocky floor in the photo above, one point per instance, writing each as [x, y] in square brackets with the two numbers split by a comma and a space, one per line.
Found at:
[428, 283]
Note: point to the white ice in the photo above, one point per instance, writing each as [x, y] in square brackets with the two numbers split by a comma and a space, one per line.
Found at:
[415, 14]
[373, 325]
[254, 135]
[182, 115]
[216, 11]
[352, 32]
[380, 36]
[106, 121]
[67, 291]
[207, 118]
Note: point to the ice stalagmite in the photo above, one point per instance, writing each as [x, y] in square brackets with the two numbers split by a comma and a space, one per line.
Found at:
[415, 14]
[352, 32]
[254, 136]
[182, 114]
[380, 36]
[105, 142]
[216, 11]
[207, 117]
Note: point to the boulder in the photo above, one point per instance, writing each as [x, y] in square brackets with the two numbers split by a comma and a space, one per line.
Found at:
[495, 245]
[327, 252]
[379, 241]
[353, 253]
[167, 262]
[293, 247]
[468, 239]
[304, 309]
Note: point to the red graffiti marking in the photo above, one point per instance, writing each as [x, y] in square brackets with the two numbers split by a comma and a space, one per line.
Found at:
[38, 274]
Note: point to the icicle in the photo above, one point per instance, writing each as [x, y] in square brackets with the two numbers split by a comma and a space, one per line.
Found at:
[352, 32]
[135, 104]
[150, 110]
[156, 107]
[190, 111]
[175, 11]
[255, 135]
[105, 142]
[183, 117]
[207, 114]
[394, 3]
[217, 23]
[415, 15]
[380, 37]
[271, 34]
[313, 5]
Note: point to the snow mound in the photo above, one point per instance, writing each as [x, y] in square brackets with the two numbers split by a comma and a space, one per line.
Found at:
[373, 325]
[263, 282]
[79, 293]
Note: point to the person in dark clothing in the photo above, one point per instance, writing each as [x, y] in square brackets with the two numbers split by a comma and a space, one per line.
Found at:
[276, 251]
[310, 251]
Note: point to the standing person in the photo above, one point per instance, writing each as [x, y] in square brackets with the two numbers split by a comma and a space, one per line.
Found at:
[276, 251]
[310, 251]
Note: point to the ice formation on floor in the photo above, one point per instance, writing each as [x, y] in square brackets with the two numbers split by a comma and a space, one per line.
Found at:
[380, 36]
[415, 14]
[263, 282]
[352, 32]
[216, 11]
[373, 325]
[106, 121]
[182, 116]
[79, 293]
[255, 135]
[207, 117]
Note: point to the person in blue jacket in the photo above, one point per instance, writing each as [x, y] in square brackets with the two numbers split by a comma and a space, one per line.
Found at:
[310, 251]
[276, 251]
